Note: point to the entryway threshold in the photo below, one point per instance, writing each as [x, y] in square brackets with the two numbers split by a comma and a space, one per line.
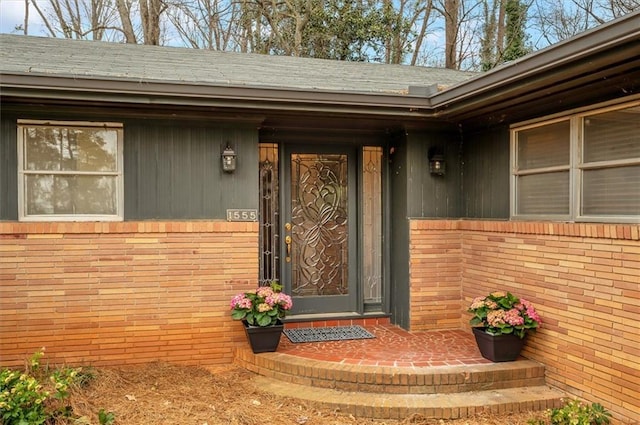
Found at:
[339, 319]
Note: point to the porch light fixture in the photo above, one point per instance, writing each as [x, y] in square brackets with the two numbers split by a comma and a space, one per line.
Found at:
[437, 165]
[228, 159]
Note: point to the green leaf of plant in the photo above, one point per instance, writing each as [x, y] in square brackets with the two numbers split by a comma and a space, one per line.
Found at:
[264, 320]
[475, 321]
[238, 314]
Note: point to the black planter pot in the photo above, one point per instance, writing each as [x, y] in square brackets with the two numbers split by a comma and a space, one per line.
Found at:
[263, 339]
[498, 348]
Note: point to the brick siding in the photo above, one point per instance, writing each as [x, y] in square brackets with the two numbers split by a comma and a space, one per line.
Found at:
[136, 292]
[122, 293]
[584, 280]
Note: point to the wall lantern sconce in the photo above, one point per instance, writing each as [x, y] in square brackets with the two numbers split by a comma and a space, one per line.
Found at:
[228, 159]
[437, 165]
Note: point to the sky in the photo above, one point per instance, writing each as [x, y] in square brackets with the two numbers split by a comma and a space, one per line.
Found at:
[12, 14]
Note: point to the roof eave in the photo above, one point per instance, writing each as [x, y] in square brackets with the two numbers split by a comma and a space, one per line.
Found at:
[80, 88]
[614, 42]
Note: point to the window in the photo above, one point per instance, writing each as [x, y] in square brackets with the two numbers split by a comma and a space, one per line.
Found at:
[583, 167]
[70, 171]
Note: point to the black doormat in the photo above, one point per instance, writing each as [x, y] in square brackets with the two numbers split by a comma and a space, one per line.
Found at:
[332, 333]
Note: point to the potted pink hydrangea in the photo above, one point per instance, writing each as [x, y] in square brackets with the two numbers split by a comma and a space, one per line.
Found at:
[500, 323]
[261, 311]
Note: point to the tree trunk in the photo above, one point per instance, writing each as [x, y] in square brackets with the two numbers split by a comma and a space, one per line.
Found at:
[423, 31]
[301, 20]
[451, 26]
[125, 18]
[501, 29]
[150, 11]
[25, 27]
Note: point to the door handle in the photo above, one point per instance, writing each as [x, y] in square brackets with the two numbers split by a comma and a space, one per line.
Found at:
[287, 240]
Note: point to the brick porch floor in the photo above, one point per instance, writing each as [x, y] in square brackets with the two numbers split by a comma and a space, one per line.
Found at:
[392, 346]
[436, 374]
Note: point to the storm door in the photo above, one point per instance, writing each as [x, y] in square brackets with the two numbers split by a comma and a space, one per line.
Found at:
[321, 226]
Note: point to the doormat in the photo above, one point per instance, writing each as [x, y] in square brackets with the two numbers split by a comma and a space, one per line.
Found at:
[332, 333]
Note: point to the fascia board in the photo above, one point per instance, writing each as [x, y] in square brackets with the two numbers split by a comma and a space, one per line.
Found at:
[31, 85]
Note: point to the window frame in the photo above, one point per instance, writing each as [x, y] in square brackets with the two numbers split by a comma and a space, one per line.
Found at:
[576, 167]
[515, 173]
[23, 173]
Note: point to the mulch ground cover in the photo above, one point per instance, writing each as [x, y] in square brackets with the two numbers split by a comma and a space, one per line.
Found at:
[167, 394]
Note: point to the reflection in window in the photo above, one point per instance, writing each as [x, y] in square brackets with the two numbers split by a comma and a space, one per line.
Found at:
[372, 223]
[70, 170]
[611, 163]
[55, 194]
[70, 149]
[320, 226]
[269, 215]
[542, 170]
[582, 167]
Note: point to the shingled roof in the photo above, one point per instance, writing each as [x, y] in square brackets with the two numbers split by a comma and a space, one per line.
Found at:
[140, 63]
[596, 66]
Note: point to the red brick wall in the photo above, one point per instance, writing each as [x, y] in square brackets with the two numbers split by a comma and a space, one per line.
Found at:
[583, 278]
[128, 292]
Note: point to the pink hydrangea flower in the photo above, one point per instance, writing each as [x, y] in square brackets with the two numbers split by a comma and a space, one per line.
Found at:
[285, 301]
[491, 304]
[496, 318]
[513, 317]
[531, 311]
[240, 301]
[264, 307]
[271, 299]
[477, 302]
[264, 291]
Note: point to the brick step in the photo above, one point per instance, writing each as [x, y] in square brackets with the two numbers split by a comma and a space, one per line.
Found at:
[391, 380]
[400, 406]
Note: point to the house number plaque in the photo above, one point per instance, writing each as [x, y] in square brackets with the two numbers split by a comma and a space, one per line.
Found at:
[242, 215]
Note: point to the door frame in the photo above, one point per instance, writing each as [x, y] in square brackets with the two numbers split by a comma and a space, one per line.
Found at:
[277, 139]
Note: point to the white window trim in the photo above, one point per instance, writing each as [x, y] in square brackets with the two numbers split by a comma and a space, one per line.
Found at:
[576, 165]
[119, 216]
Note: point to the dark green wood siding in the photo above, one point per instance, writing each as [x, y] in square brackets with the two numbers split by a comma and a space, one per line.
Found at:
[399, 233]
[174, 171]
[433, 196]
[8, 169]
[485, 174]
[476, 184]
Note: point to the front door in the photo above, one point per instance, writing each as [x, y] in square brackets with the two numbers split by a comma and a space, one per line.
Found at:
[319, 229]
[321, 226]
